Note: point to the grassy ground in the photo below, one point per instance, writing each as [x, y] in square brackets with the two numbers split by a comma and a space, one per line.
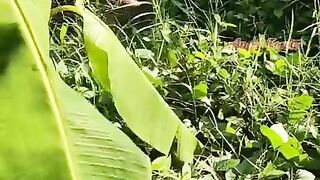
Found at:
[228, 97]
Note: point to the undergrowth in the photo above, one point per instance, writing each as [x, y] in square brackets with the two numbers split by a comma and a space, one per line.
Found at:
[256, 112]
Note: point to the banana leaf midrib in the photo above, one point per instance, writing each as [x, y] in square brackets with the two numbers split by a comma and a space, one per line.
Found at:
[40, 63]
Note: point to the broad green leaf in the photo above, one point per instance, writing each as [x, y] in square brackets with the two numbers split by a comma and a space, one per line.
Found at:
[200, 91]
[291, 149]
[137, 101]
[303, 102]
[296, 115]
[274, 138]
[288, 146]
[47, 130]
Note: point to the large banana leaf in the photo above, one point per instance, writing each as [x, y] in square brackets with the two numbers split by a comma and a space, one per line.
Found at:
[48, 131]
[137, 101]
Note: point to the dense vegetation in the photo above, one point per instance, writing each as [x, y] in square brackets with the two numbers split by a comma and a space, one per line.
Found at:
[254, 111]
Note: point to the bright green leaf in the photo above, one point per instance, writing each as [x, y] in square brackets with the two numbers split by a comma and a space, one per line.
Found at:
[199, 55]
[274, 138]
[280, 66]
[244, 53]
[302, 102]
[166, 32]
[136, 100]
[200, 91]
[278, 128]
[49, 131]
[223, 73]
[161, 163]
[291, 149]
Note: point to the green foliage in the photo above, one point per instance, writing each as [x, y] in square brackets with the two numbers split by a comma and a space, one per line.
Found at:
[142, 108]
[255, 112]
[50, 131]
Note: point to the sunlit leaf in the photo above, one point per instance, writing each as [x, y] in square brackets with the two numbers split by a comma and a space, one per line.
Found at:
[186, 172]
[223, 73]
[137, 101]
[161, 163]
[278, 128]
[280, 66]
[47, 130]
[244, 53]
[200, 55]
[291, 149]
[274, 138]
[302, 102]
